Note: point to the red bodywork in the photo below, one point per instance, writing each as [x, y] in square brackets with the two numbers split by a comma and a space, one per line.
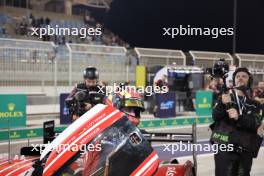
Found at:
[18, 166]
[15, 167]
[85, 131]
[175, 169]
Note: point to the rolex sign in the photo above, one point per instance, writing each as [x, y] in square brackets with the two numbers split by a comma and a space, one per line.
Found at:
[12, 111]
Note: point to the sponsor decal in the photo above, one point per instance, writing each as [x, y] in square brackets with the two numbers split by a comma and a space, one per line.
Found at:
[171, 171]
[166, 105]
[205, 104]
[11, 111]
[220, 137]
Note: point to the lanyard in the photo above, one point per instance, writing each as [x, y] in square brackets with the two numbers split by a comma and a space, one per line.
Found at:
[239, 105]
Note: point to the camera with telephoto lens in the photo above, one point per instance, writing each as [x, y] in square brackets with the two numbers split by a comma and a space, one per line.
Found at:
[219, 70]
[77, 104]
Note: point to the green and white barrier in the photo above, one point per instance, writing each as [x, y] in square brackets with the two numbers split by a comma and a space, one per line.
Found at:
[145, 123]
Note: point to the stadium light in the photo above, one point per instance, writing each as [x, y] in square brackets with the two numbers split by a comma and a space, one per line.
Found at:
[234, 26]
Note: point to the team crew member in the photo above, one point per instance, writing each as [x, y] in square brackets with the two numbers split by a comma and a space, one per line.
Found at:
[239, 125]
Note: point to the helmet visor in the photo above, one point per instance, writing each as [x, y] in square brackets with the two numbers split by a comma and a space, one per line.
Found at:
[134, 103]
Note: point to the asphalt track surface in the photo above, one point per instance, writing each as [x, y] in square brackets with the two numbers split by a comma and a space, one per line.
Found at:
[204, 158]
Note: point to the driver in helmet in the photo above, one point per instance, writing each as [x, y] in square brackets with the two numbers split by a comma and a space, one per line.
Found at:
[89, 85]
[128, 101]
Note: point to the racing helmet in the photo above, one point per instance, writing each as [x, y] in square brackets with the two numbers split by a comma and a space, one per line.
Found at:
[90, 73]
[129, 102]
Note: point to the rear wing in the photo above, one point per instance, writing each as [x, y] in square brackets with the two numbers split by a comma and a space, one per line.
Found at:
[174, 138]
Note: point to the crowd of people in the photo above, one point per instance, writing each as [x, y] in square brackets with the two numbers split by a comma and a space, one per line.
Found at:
[23, 27]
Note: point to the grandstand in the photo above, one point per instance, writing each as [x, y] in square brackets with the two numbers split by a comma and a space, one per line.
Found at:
[17, 22]
[61, 6]
[25, 61]
[52, 63]
[12, 16]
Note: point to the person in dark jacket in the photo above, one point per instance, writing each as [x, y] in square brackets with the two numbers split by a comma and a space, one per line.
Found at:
[91, 92]
[237, 120]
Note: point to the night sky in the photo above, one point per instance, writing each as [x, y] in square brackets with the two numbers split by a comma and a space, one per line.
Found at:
[141, 22]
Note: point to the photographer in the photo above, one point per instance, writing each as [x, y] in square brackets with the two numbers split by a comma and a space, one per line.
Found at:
[237, 121]
[86, 94]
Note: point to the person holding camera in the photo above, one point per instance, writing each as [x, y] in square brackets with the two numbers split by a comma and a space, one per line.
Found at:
[85, 94]
[237, 121]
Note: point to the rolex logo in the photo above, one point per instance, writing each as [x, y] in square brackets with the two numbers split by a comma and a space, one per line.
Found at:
[11, 106]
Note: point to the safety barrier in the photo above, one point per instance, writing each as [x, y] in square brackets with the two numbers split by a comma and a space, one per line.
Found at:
[145, 123]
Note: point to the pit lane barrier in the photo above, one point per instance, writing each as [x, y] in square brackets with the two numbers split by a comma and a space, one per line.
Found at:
[28, 133]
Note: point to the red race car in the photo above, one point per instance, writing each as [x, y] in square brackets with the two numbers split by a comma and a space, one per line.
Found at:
[103, 142]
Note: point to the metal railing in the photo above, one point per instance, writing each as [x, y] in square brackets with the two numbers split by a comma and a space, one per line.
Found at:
[164, 57]
[111, 61]
[207, 58]
[36, 63]
[254, 62]
[26, 63]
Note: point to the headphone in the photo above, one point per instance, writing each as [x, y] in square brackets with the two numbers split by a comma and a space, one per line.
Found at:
[243, 69]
